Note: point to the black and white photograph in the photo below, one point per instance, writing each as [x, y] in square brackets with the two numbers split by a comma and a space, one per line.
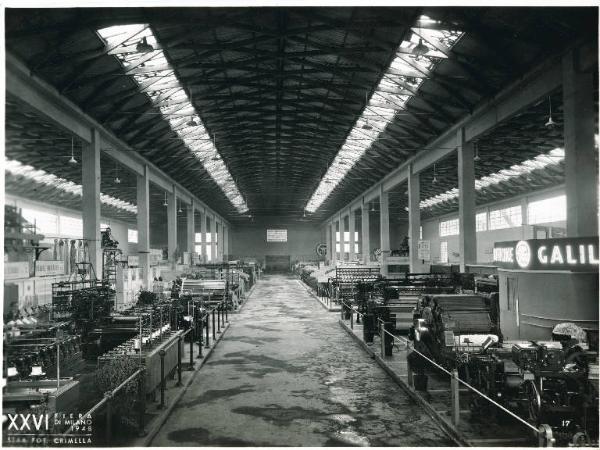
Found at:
[300, 224]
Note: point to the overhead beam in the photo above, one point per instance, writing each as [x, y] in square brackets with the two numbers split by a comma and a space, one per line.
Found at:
[43, 97]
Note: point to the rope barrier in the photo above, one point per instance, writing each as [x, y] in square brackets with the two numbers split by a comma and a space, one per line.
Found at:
[408, 345]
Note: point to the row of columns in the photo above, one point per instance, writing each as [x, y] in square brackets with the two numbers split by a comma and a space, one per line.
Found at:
[581, 180]
[91, 205]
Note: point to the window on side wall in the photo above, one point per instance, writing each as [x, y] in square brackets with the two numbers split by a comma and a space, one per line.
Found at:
[444, 251]
[506, 218]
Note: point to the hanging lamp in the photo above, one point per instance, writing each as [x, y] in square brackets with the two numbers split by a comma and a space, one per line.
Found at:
[551, 123]
[434, 177]
[165, 203]
[72, 160]
[366, 125]
[477, 158]
[117, 179]
[191, 122]
[143, 46]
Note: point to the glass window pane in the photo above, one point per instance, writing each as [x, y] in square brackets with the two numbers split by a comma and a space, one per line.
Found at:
[208, 253]
[71, 227]
[45, 223]
[505, 218]
[198, 248]
[132, 236]
[548, 210]
[481, 221]
[197, 237]
[444, 251]
[449, 228]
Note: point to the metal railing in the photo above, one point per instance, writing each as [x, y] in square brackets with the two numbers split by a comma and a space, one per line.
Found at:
[543, 432]
[195, 334]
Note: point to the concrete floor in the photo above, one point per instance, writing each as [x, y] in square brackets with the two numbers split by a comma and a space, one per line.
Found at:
[286, 374]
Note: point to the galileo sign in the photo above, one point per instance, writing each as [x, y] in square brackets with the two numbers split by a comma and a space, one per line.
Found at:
[574, 254]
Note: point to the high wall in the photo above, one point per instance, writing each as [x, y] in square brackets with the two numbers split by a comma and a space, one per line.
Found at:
[251, 241]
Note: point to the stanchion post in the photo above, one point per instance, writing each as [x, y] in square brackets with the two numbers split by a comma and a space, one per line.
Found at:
[219, 318]
[382, 337]
[545, 438]
[409, 371]
[191, 350]
[162, 379]
[207, 343]
[351, 319]
[454, 390]
[142, 402]
[226, 314]
[179, 357]
[214, 331]
[108, 396]
[200, 334]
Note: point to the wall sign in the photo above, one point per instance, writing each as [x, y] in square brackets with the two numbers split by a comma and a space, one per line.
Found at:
[574, 254]
[16, 270]
[133, 260]
[49, 268]
[156, 255]
[424, 250]
[276, 235]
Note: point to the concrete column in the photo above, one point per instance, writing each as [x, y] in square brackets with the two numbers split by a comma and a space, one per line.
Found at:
[220, 241]
[414, 220]
[342, 252]
[365, 241]
[203, 220]
[581, 179]
[467, 239]
[384, 227]
[328, 241]
[191, 231]
[333, 242]
[143, 226]
[213, 239]
[225, 243]
[90, 171]
[351, 229]
[172, 225]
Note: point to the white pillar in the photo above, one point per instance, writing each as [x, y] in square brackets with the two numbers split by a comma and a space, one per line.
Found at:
[203, 220]
[581, 178]
[365, 243]
[90, 172]
[143, 226]
[342, 240]
[414, 220]
[172, 225]
[333, 242]
[351, 230]
[225, 243]
[467, 239]
[220, 242]
[213, 239]
[191, 231]
[384, 229]
[328, 241]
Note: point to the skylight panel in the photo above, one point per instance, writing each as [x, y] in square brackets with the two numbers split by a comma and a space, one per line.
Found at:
[41, 176]
[155, 77]
[554, 157]
[402, 78]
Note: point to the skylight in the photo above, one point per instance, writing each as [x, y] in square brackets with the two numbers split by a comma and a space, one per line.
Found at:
[398, 84]
[141, 55]
[554, 157]
[41, 176]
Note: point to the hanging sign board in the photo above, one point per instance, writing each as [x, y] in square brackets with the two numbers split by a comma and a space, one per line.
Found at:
[276, 235]
[49, 268]
[574, 254]
[16, 270]
[424, 250]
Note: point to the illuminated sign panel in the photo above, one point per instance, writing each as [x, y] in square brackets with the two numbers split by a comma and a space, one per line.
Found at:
[276, 235]
[574, 254]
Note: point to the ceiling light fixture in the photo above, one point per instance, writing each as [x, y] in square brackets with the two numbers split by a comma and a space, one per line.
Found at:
[434, 177]
[117, 179]
[191, 122]
[143, 46]
[72, 160]
[420, 49]
[477, 158]
[551, 123]
[366, 125]
[180, 210]
[372, 208]
[165, 203]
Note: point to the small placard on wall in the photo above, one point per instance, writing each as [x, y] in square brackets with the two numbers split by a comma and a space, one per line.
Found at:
[276, 235]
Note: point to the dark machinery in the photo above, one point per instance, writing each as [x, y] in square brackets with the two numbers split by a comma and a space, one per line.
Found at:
[548, 382]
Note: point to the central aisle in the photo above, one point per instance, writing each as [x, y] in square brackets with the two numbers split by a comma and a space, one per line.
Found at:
[286, 374]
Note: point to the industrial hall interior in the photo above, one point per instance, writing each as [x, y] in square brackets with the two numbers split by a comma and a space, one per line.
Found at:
[309, 226]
